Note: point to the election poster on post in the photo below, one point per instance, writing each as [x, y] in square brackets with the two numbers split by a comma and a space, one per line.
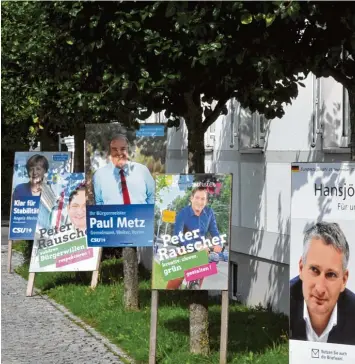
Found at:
[192, 231]
[120, 167]
[60, 242]
[33, 172]
[322, 263]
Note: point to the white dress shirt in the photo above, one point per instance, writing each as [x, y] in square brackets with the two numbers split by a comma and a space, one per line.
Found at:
[107, 184]
[311, 334]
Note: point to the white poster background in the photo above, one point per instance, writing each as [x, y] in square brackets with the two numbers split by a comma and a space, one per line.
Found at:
[307, 208]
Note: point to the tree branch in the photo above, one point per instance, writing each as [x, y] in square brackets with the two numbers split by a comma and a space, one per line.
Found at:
[210, 119]
[339, 76]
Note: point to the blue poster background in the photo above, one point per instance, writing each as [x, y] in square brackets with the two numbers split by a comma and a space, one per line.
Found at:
[147, 130]
[120, 225]
[24, 218]
[25, 209]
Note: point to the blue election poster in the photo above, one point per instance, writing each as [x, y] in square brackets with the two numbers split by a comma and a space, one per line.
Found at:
[120, 168]
[34, 173]
[132, 225]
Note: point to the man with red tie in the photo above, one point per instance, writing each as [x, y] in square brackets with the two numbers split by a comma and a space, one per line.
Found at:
[122, 181]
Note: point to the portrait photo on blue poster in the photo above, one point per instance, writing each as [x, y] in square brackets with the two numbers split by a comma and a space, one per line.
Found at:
[60, 242]
[34, 172]
[322, 263]
[120, 167]
[192, 232]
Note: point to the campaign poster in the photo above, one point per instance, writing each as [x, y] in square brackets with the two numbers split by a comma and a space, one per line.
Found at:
[33, 171]
[192, 232]
[120, 167]
[322, 263]
[60, 242]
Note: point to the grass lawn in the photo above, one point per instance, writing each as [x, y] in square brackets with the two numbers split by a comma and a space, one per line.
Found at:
[255, 335]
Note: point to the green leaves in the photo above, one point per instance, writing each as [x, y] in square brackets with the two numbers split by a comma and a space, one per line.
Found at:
[246, 18]
[170, 10]
[269, 19]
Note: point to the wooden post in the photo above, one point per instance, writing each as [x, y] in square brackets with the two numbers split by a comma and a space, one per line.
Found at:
[153, 327]
[9, 256]
[95, 273]
[225, 299]
[30, 284]
[224, 328]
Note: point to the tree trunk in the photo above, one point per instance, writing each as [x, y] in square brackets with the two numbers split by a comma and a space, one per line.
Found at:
[130, 274]
[48, 141]
[130, 259]
[79, 137]
[351, 92]
[199, 335]
[196, 148]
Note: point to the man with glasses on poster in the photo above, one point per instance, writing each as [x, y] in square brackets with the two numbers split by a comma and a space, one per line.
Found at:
[322, 309]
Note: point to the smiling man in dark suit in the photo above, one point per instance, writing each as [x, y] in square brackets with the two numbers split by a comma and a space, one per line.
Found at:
[322, 309]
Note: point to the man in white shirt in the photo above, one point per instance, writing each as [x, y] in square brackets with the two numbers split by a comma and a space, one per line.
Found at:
[122, 181]
[322, 308]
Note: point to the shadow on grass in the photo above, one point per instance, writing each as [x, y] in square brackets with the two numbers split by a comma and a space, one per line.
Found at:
[111, 271]
[253, 329]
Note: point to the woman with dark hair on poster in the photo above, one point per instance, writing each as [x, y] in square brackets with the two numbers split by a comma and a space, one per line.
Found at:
[36, 167]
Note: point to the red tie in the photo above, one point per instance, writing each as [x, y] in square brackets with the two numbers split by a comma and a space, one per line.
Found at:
[126, 199]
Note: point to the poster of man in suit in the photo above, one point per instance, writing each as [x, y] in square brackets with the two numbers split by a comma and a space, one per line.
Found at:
[120, 167]
[322, 264]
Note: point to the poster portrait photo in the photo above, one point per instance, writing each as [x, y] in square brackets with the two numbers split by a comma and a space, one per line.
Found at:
[120, 167]
[322, 262]
[60, 242]
[33, 173]
[192, 232]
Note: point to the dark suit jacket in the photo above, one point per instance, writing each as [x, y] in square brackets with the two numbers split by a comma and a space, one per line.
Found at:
[342, 333]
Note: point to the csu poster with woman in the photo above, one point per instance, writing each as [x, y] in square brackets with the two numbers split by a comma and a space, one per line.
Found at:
[192, 231]
[32, 171]
[60, 242]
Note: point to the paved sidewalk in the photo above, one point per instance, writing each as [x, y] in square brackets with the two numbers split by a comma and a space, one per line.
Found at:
[35, 330]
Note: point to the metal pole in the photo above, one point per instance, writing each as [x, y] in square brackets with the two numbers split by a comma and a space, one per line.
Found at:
[59, 141]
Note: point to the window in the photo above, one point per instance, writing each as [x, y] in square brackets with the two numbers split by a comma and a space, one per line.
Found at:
[234, 281]
[210, 136]
[334, 115]
[346, 114]
[260, 130]
[158, 118]
[251, 131]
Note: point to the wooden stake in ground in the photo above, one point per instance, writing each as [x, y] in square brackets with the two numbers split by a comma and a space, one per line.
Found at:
[153, 327]
[9, 256]
[30, 284]
[224, 328]
[95, 273]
